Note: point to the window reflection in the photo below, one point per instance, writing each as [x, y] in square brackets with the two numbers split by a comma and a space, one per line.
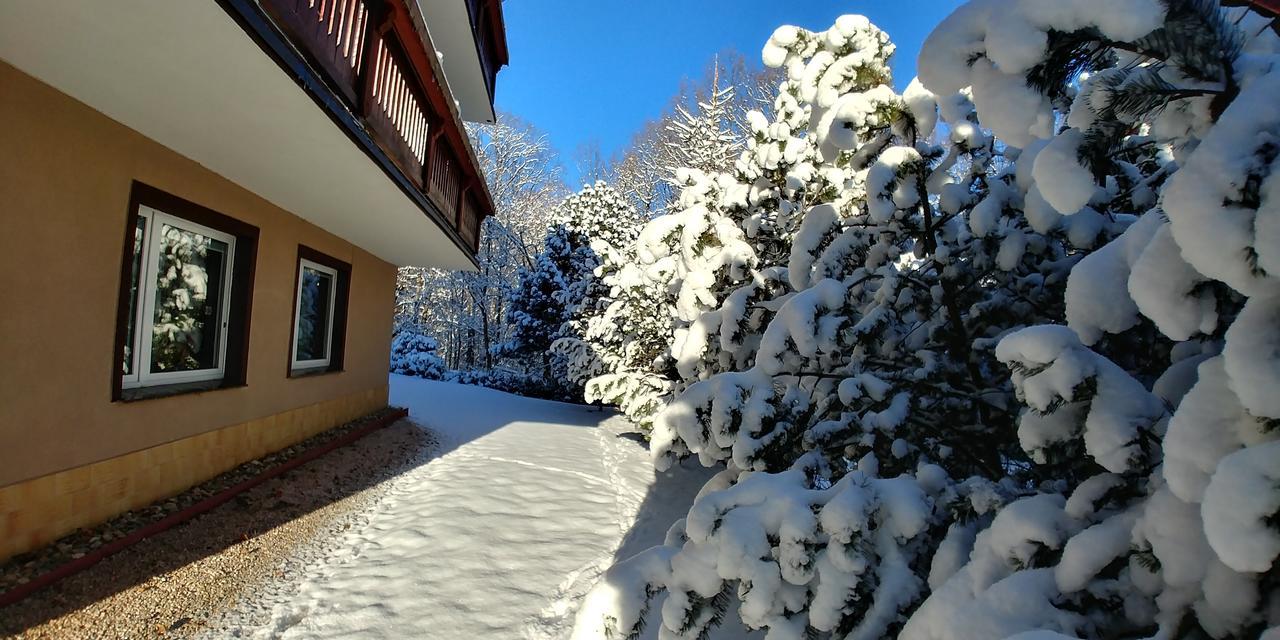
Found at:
[188, 301]
[313, 315]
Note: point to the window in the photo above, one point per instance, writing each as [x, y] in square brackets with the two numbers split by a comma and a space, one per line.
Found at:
[313, 323]
[319, 313]
[184, 298]
[180, 288]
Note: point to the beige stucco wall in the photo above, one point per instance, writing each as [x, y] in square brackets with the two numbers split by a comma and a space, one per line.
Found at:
[65, 177]
[35, 512]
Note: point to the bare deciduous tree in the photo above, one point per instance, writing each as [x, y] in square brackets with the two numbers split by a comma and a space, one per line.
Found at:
[644, 170]
[465, 310]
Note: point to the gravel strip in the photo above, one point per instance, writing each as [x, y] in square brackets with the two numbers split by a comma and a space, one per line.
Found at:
[175, 583]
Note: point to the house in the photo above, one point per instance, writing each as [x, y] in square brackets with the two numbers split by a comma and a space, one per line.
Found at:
[204, 204]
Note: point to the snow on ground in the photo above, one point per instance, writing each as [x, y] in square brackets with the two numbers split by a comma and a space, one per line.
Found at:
[500, 536]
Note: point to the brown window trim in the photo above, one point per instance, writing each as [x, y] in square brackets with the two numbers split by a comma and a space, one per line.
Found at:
[242, 280]
[342, 296]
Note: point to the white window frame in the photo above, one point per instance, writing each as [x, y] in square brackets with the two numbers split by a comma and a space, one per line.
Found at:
[140, 374]
[322, 363]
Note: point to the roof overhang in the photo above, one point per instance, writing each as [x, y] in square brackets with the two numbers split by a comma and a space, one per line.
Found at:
[450, 24]
[189, 76]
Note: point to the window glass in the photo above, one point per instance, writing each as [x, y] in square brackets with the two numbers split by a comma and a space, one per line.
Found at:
[314, 309]
[139, 233]
[189, 281]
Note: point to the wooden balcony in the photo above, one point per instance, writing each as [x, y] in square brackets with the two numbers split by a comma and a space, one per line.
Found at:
[489, 32]
[374, 59]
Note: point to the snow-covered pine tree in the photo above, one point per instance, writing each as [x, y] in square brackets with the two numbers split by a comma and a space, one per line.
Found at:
[600, 214]
[846, 375]
[728, 231]
[550, 294]
[1137, 493]
[646, 170]
[598, 221]
[1164, 519]
[701, 138]
[626, 338]
[544, 299]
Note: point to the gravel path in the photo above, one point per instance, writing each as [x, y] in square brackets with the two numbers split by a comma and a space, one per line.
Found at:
[178, 583]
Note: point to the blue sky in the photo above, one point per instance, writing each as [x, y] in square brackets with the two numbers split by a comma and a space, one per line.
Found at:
[585, 70]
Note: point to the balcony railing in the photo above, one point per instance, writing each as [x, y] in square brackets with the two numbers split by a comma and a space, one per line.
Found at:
[374, 59]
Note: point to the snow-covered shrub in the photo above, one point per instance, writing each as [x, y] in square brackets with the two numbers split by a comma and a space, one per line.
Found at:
[906, 453]
[413, 354]
[531, 385]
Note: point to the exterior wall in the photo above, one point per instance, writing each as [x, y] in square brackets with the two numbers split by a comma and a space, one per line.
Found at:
[65, 178]
[36, 512]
